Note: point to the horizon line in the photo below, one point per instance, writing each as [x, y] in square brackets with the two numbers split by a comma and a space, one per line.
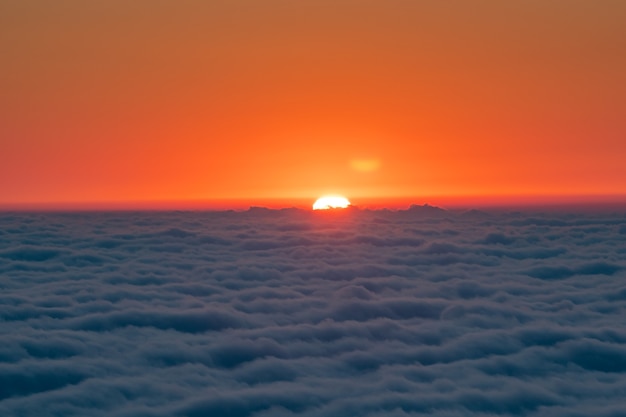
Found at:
[397, 203]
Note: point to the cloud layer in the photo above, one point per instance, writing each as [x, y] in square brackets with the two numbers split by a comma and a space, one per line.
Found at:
[293, 313]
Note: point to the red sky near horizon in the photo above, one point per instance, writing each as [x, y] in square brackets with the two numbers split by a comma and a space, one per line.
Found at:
[112, 101]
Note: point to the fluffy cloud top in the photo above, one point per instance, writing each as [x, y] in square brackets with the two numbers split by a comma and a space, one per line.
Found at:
[293, 313]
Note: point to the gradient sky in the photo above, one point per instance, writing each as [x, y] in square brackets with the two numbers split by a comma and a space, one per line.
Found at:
[149, 100]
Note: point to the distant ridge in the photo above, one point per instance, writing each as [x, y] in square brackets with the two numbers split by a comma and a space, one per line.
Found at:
[414, 209]
[426, 209]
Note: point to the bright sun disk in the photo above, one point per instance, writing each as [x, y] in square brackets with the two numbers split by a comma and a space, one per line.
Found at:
[330, 201]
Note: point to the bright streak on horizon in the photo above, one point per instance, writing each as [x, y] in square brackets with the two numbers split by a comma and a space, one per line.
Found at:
[330, 202]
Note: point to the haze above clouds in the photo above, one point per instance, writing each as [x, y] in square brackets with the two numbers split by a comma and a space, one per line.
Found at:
[289, 312]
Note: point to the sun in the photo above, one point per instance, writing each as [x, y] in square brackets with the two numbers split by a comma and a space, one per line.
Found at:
[330, 202]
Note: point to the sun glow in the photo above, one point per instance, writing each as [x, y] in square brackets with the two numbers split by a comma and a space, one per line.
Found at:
[330, 202]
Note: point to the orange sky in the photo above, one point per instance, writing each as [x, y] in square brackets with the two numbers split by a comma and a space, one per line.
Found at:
[144, 100]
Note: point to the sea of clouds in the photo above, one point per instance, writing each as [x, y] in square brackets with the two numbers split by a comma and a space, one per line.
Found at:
[298, 313]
